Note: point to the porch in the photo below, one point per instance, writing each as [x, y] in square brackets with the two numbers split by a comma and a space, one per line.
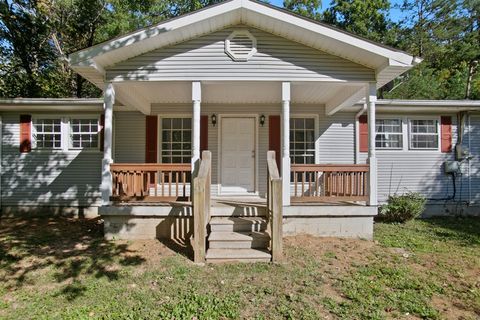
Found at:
[155, 201]
[157, 184]
[263, 176]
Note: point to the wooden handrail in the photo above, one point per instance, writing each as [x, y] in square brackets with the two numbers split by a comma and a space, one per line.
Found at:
[331, 167]
[274, 206]
[329, 182]
[155, 182]
[151, 166]
[201, 206]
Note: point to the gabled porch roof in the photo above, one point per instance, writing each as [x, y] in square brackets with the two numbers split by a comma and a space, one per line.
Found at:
[387, 62]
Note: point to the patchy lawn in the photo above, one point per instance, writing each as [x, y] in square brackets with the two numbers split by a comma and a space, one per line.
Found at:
[63, 269]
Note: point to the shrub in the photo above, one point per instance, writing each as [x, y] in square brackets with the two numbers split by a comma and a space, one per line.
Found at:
[401, 208]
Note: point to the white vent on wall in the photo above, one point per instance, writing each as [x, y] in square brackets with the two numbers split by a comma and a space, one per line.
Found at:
[240, 45]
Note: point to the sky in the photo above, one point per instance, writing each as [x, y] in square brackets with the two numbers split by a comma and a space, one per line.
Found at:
[395, 14]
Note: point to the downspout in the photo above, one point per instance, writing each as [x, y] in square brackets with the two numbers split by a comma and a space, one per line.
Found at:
[469, 162]
[357, 135]
[1, 162]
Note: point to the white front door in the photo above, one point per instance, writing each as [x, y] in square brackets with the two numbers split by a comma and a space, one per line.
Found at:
[237, 155]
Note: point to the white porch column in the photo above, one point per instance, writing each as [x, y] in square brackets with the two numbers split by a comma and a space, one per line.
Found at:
[108, 101]
[286, 142]
[371, 98]
[196, 99]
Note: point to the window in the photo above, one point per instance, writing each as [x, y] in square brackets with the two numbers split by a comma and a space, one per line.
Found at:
[47, 133]
[423, 134]
[302, 140]
[84, 133]
[389, 134]
[176, 140]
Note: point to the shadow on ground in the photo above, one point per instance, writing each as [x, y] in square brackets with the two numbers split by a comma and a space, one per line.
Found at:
[74, 248]
[465, 230]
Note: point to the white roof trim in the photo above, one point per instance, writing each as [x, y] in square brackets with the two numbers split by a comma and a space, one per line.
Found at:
[426, 106]
[241, 9]
[387, 62]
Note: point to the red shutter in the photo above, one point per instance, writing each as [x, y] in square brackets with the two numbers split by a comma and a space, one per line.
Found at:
[151, 139]
[25, 133]
[203, 133]
[446, 133]
[274, 136]
[102, 131]
[363, 133]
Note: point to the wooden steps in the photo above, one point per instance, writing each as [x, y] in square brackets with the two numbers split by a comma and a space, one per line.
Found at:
[238, 255]
[241, 224]
[239, 239]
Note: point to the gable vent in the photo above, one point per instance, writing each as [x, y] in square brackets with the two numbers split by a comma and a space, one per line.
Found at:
[240, 45]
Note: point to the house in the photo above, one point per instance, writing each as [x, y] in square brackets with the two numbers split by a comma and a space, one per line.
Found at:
[232, 119]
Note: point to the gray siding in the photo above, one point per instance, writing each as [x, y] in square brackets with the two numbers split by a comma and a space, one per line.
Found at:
[336, 139]
[129, 132]
[204, 58]
[72, 178]
[471, 183]
[420, 171]
[49, 178]
[335, 135]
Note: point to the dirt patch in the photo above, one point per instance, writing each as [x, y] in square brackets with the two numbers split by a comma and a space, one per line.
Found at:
[342, 251]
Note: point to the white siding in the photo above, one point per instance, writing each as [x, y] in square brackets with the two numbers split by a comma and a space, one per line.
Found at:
[49, 178]
[204, 58]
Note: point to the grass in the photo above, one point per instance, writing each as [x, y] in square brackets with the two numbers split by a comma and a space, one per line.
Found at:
[63, 269]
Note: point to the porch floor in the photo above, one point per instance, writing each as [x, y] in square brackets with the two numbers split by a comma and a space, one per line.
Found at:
[238, 201]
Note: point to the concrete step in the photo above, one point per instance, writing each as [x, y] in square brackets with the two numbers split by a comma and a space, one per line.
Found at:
[242, 224]
[238, 210]
[237, 255]
[238, 240]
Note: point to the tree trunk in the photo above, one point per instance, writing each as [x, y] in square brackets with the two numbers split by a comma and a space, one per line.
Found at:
[472, 67]
[79, 85]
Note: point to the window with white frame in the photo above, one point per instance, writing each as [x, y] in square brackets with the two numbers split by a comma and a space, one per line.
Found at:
[176, 140]
[388, 134]
[423, 134]
[47, 133]
[302, 140]
[84, 133]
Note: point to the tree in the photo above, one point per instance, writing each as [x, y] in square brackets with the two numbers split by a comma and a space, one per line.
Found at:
[365, 18]
[446, 34]
[458, 29]
[307, 8]
[27, 56]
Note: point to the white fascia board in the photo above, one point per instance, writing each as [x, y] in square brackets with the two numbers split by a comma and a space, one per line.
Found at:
[127, 43]
[330, 33]
[160, 29]
[39, 105]
[416, 106]
[429, 103]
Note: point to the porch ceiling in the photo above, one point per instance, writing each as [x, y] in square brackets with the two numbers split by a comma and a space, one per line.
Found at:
[235, 92]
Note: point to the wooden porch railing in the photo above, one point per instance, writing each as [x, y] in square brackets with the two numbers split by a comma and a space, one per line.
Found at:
[201, 207]
[330, 182]
[150, 181]
[274, 206]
